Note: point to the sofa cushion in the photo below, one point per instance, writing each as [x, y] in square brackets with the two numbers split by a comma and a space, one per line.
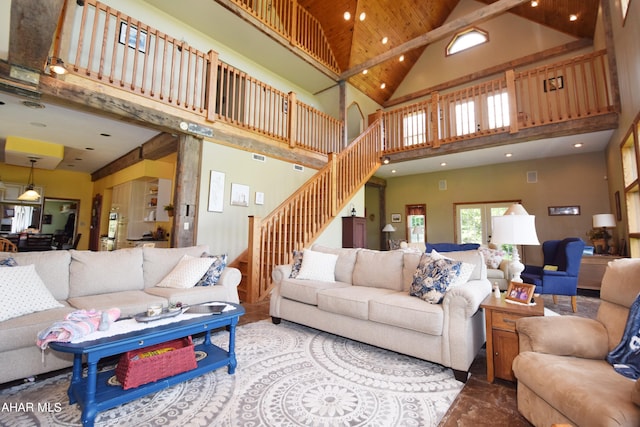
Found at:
[129, 302]
[317, 266]
[587, 391]
[434, 276]
[23, 292]
[345, 263]
[306, 290]
[404, 311]
[21, 332]
[212, 276]
[410, 265]
[158, 262]
[472, 257]
[51, 266]
[94, 273]
[495, 273]
[186, 273]
[379, 269]
[352, 301]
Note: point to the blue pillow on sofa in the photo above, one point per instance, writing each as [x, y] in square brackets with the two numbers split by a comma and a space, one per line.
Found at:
[451, 247]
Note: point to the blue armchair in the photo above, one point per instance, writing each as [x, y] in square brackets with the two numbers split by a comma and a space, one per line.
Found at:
[565, 255]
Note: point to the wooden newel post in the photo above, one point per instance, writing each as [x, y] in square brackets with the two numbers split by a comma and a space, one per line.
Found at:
[292, 117]
[510, 77]
[212, 84]
[334, 183]
[435, 118]
[253, 260]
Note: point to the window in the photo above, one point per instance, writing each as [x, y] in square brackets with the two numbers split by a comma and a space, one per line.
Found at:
[465, 118]
[416, 223]
[498, 106]
[473, 220]
[466, 39]
[414, 128]
[630, 172]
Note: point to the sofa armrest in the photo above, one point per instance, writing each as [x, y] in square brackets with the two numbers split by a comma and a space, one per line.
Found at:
[469, 296]
[563, 336]
[230, 278]
[281, 272]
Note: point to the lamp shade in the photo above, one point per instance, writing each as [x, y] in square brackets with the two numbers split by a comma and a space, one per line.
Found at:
[515, 230]
[389, 228]
[604, 220]
[516, 209]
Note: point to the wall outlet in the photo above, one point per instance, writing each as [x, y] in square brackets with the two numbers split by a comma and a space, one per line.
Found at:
[186, 225]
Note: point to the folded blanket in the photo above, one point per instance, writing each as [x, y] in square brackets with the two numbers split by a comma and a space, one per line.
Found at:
[625, 358]
[76, 325]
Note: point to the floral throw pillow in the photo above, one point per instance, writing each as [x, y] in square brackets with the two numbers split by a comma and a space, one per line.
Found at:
[492, 257]
[8, 262]
[211, 277]
[433, 277]
[297, 263]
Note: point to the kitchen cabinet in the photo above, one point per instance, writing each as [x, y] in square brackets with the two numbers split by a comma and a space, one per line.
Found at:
[354, 232]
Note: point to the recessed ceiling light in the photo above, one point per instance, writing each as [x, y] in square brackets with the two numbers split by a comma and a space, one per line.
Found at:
[363, 16]
[1, 102]
[573, 17]
[383, 85]
[105, 134]
[534, 3]
[577, 144]
[33, 104]
[89, 148]
[347, 16]
[38, 124]
[393, 171]
[365, 71]
[78, 159]
[385, 40]
[508, 155]
[401, 58]
[443, 164]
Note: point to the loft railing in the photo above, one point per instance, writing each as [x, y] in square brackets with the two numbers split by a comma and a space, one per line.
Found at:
[305, 214]
[112, 48]
[553, 93]
[294, 23]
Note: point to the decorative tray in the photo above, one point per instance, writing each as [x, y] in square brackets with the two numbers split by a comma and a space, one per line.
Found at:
[142, 317]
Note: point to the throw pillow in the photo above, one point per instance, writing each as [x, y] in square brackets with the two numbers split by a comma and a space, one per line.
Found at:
[549, 267]
[214, 272]
[433, 277]
[296, 264]
[8, 262]
[466, 269]
[318, 266]
[23, 292]
[186, 273]
[492, 257]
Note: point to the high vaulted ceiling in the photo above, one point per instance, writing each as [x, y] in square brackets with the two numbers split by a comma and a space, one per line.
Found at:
[354, 42]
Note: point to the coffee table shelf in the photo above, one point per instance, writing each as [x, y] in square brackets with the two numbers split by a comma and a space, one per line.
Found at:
[92, 391]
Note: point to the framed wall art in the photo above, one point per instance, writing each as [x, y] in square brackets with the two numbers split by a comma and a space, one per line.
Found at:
[216, 192]
[564, 210]
[239, 195]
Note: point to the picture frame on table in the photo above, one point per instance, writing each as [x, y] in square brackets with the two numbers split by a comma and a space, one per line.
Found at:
[520, 292]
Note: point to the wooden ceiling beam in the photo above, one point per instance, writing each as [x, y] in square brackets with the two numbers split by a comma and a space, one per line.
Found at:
[469, 19]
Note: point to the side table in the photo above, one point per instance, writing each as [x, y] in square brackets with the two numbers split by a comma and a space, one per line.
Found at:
[502, 338]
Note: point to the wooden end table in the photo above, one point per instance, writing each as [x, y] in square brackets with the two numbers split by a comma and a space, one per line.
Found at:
[92, 391]
[502, 338]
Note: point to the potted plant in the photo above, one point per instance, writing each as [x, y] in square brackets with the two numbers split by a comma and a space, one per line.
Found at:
[169, 209]
[599, 237]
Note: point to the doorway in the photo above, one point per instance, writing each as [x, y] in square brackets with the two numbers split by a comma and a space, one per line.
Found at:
[60, 218]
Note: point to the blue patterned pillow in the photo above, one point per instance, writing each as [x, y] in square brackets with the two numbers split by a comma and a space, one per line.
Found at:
[433, 277]
[297, 263]
[8, 262]
[212, 275]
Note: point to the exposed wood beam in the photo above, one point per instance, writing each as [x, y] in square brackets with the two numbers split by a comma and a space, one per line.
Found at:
[32, 31]
[160, 146]
[129, 159]
[479, 75]
[479, 15]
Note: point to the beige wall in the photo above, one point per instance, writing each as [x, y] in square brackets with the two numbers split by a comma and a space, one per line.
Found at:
[569, 180]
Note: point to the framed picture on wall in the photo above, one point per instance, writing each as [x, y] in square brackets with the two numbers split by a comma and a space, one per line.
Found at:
[396, 217]
[564, 210]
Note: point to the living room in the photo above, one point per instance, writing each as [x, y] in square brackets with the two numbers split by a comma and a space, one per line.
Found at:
[588, 179]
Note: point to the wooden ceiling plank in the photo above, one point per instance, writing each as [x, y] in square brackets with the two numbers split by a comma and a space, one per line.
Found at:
[479, 15]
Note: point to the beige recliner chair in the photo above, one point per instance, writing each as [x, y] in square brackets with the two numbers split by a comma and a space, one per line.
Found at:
[563, 377]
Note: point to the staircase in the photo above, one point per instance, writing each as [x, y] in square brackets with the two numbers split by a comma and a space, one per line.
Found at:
[300, 219]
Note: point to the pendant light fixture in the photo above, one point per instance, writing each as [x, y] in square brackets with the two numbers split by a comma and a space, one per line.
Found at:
[30, 195]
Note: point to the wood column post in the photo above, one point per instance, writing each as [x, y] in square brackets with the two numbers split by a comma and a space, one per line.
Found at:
[332, 159]
[185, 197]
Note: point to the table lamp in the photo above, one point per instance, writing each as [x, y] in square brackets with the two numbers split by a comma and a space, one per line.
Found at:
[388, 229]
[603, 221]
[515, 227]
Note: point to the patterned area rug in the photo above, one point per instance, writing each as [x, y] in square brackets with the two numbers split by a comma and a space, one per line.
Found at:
[287, 375]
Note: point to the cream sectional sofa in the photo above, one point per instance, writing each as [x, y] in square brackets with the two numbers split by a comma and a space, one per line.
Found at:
[125, 279]
[370, 302]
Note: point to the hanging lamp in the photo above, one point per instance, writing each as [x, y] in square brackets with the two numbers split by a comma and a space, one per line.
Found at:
[30, 195]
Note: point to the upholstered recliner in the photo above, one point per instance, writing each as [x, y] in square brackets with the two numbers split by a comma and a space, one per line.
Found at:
[562, 372]
[559, 274]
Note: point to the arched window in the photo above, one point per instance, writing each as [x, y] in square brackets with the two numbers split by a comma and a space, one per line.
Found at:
[466, 39]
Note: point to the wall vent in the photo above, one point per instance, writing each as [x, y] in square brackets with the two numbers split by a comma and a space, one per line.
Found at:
[532, 177]
[298, 168]
[259, 157]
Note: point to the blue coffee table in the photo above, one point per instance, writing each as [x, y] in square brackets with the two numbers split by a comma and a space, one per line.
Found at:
[92, 391]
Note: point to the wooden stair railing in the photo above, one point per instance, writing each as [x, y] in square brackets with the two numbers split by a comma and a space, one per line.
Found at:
[301, 218]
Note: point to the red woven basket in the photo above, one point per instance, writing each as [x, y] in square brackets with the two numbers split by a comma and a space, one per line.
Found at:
[134, 371]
